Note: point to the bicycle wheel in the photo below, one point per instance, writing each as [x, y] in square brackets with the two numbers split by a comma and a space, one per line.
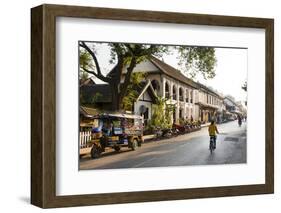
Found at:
[212, 145]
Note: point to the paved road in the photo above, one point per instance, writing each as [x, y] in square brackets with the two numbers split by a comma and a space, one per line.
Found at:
[188, 149]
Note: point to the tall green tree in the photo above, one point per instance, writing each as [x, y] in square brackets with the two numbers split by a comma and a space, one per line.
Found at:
[132, 90]
[127, 56]
[162, 113]
[85, 61]
[198, 60]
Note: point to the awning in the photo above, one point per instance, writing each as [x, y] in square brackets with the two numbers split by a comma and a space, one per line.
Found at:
[207, 106]
[236, 112]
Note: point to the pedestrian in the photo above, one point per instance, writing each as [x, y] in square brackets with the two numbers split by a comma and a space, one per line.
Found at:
[239, 120]
[213, 131]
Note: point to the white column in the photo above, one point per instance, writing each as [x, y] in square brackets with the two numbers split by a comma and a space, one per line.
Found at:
[177, 92]
[188, 95]
[184, 111]
[184, 95]
[177, 102]
[163, 87]
[171, 89]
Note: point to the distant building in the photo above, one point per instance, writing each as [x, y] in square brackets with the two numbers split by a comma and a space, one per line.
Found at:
[233, 108]
[210, 104]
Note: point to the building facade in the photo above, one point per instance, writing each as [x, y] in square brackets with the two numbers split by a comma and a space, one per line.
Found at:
[191, 100]
[171, 84]
[210, 104]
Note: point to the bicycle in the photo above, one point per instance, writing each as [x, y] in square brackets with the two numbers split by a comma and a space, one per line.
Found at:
[212, 143]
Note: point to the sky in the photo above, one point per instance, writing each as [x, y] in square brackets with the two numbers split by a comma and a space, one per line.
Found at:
[231, 70]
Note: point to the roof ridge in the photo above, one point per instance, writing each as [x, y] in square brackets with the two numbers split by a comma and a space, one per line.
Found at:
[158, 63]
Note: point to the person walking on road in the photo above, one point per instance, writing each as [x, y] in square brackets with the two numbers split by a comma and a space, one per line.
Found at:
[213, 131]
[239, 120]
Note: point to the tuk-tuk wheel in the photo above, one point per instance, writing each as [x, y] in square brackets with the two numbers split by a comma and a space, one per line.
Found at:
[95, 152]
[134, 144]
[117, 148]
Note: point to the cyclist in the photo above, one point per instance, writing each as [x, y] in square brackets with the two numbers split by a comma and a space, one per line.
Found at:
[213, 131]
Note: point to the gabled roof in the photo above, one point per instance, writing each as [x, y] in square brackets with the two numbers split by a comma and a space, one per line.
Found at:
[172, 72]
[146, 86]
[231, 99]
[166, 69]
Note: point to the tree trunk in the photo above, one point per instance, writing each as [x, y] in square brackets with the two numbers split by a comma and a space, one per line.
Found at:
[116, 101]
[118, 91]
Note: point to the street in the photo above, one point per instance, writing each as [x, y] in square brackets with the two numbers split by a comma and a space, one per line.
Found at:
[183, 150]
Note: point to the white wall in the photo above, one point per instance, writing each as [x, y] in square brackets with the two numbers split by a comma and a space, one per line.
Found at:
[15, 105]
[144, 103]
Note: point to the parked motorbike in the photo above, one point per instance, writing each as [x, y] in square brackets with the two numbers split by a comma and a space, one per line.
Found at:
[167, 133]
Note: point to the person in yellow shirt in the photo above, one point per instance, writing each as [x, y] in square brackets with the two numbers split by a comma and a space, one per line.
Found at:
[213, 131]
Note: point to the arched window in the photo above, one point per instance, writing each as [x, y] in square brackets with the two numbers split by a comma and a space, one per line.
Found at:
[187, 96]
[181, 94]
[167, 90]
[174, 93]
[156, 86]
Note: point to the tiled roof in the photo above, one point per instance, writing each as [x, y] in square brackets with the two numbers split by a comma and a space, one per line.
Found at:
[176, 74]
[172, 72]
[209, 90]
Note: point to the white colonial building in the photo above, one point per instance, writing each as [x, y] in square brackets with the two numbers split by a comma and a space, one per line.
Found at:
[210, 104]
[171, 84]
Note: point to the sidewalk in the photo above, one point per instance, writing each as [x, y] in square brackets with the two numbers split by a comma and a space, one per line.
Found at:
[205, 125]
[148, 138]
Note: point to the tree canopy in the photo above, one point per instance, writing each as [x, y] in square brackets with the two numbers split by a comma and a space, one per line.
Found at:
[124, 56]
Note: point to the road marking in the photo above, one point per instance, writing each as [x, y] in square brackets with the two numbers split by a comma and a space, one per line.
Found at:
[232, 139]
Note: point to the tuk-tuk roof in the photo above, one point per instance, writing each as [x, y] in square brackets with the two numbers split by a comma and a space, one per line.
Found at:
[95, 114]
[118, 115]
